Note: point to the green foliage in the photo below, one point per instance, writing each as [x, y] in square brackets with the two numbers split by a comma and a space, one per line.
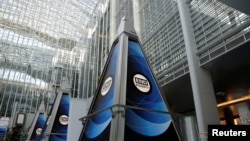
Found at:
[16, 134]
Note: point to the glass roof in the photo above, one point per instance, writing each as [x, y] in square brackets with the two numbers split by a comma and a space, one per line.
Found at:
[50, 19]
[47, 29]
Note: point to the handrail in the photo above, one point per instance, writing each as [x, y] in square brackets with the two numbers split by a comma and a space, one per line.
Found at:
[125, 107]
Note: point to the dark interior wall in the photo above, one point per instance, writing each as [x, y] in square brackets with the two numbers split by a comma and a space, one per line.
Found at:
[241, 5]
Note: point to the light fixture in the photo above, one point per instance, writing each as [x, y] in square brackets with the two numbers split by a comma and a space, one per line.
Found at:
[20, 119]
[235, 101]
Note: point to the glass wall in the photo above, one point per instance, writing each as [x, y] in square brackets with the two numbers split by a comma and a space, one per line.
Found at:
[42, 44]
[162, 39]
[218, 28]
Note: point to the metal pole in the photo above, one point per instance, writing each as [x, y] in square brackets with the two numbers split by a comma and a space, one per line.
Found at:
[203, 94]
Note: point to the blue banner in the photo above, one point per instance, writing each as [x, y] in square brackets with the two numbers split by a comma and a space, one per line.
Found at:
[143, 92]
[60, 125]
[97, 127]
[38, 129]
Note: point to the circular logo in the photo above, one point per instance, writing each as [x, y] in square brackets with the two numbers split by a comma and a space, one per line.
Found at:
[63, 119]
[141, 83]
[39, 131]
[106, 86]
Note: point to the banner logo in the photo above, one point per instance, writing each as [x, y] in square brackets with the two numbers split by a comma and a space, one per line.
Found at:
[141, 83]
[106, 86]
[39, 131]
[63, 119]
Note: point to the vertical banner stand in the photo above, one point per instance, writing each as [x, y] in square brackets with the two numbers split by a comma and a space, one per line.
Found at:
[36, 129]
[57, 124]
[128, 104]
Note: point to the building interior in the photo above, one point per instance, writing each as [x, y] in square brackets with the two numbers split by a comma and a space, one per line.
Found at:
[198, 51]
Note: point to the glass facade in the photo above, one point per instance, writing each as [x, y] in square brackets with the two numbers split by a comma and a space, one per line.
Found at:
[162, 39]
[46, 42]
[217, 29]
[42, 44]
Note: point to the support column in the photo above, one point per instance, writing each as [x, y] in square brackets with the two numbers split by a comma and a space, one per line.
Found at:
[243, 108]
[118, 120]
[244, 113]
[136, 10]
[113, 25]
[203, 93]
